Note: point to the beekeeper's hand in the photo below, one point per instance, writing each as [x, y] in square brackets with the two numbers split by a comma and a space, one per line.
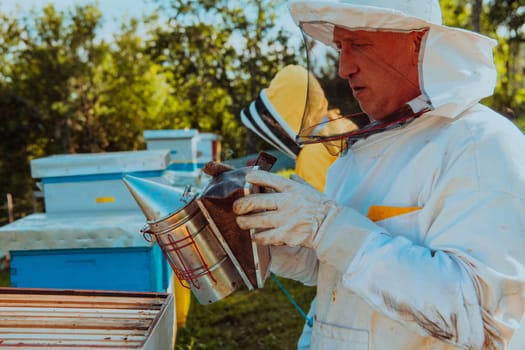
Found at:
[292, 215]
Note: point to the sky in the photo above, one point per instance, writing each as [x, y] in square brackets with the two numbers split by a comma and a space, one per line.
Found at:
[109, 8]
[114, 9]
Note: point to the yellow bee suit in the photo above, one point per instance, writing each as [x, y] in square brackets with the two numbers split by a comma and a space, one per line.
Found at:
[181, 304]
[312, 164]
[182, 301]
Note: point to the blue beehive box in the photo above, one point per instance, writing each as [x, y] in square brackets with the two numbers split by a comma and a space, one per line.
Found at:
[90, 235]
[90, 251]
[141, 269]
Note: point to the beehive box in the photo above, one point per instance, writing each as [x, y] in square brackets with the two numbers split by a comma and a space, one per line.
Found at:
[84, 251]
[50, 319]
[208, 148]
[92, 182]
[181, 144]
[141, 269]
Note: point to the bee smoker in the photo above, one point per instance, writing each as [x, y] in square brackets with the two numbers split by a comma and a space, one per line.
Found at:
[199, 236]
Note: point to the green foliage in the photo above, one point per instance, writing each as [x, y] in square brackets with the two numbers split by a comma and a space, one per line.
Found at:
[508, 13]
[43, 61]
[500, 20]
[134, 94]
[221, 54]
[455, 13]
[508, 19]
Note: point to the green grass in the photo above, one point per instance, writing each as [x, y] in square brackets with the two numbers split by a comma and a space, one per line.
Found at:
[261, 319]
[4, 278]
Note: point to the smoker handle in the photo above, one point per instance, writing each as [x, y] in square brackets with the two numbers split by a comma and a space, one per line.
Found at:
[265, 161]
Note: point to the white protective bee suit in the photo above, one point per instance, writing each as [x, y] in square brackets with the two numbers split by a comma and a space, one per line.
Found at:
[449, 273]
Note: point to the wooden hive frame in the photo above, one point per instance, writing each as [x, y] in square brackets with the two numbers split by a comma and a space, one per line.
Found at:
[70, 319]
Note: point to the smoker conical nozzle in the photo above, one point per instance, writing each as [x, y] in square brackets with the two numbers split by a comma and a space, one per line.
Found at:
[156, 200]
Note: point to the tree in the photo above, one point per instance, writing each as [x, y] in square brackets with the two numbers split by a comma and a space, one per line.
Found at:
[58, 52]
[502, 20]
[62, 90]
[221, 54]
[508, 17]
[477, 9]
[133, 93]
[456, 13]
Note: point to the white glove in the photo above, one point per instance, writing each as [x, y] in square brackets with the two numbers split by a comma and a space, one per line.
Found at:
[292, 215]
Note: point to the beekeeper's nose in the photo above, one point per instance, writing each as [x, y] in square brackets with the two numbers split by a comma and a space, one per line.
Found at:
[347, 63]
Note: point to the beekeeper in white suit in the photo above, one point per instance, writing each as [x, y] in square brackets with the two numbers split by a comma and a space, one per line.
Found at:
[419, 239]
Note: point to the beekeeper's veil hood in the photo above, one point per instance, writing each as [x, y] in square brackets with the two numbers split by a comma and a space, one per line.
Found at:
[276, 114]
[456, 68]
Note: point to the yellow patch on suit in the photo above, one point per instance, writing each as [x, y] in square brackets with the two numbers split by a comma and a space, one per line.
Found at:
[381, 212]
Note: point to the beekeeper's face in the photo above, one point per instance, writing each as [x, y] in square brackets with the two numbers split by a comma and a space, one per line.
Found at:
[381, 67]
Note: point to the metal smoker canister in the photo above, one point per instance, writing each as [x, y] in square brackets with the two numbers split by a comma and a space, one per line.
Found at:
[187, 239]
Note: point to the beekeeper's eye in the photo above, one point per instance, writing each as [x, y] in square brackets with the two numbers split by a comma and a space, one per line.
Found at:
[357, 45]
[347, 45]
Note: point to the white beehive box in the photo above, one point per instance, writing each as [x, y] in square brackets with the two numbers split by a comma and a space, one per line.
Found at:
[93, 182]
[180, 143]
[208, 148]
[58, 319]
[189, 152]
